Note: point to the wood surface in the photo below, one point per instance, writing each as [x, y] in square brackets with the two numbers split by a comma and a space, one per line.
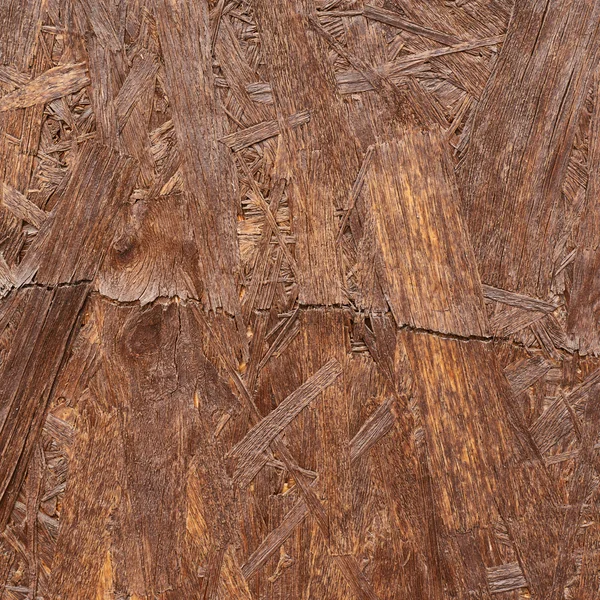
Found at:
[299, 300]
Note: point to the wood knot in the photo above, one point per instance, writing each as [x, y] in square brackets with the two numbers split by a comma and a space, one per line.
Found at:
[144, 336]
[124, 249]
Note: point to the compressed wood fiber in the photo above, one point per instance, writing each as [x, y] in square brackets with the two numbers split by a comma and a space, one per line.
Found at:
[299, 300]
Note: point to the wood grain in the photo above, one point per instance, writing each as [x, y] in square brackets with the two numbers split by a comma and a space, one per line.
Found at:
[299, 300]
[530, 108]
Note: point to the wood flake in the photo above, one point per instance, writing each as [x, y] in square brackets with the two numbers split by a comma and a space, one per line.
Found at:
[54, 83]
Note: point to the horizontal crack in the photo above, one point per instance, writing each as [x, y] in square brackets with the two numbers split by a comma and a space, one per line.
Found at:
[307, 307]
[54, 286]
[450, 336]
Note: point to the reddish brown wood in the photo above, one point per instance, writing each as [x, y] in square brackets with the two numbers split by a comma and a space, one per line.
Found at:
[298, 300]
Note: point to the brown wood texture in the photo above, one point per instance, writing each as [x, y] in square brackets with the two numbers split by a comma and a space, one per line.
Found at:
[299, 300]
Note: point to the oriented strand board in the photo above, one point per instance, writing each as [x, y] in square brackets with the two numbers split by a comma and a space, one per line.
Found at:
[529, 110]
[424, 260]
[299, 300]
